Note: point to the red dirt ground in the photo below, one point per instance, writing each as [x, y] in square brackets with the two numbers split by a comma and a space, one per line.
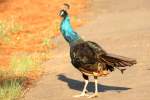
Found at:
[40, 21]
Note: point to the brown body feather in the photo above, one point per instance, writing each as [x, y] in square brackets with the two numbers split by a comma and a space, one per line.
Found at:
[90, 58]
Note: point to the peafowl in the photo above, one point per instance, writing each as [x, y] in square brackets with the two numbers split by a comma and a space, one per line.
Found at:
[88, 57]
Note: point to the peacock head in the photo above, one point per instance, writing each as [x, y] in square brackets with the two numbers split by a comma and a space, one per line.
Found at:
[63, 13]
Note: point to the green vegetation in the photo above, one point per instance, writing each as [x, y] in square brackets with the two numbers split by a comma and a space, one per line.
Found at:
[22, 67]
[12, 81]
[10, 89]
[22, 63]
[46, 42]
[7, 27]
[2, 29]
[11, 86]
[16, 27]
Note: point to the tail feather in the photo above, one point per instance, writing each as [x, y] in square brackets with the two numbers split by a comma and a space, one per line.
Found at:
[118, 62]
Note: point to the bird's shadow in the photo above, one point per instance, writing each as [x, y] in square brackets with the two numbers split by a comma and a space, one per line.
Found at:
[78, 85]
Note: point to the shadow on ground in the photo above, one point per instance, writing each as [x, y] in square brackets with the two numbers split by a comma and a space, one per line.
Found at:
[78, 85]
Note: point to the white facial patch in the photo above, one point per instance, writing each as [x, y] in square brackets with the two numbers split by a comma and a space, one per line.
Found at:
[61, 13]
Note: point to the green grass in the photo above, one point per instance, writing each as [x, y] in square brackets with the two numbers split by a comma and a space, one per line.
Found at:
[8, 27]
[11, 86]
[22, 63]
[2, 28]
[3, 32]
[12, 81]
[13, 26]
[46, 42]
[10, 90]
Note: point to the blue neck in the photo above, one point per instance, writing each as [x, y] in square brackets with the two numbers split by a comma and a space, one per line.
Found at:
[67, 31]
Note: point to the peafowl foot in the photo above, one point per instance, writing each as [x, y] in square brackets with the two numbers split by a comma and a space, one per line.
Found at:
[81, 95]
[93, 96]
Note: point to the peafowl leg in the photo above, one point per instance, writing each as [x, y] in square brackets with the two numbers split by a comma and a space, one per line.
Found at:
[84, 90]
[85, 86]
[96, 89]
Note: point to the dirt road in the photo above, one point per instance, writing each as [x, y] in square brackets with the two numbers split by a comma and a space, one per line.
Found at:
[119, 26]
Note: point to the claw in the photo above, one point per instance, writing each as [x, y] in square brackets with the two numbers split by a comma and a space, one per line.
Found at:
[81, 95]
[93, 96]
